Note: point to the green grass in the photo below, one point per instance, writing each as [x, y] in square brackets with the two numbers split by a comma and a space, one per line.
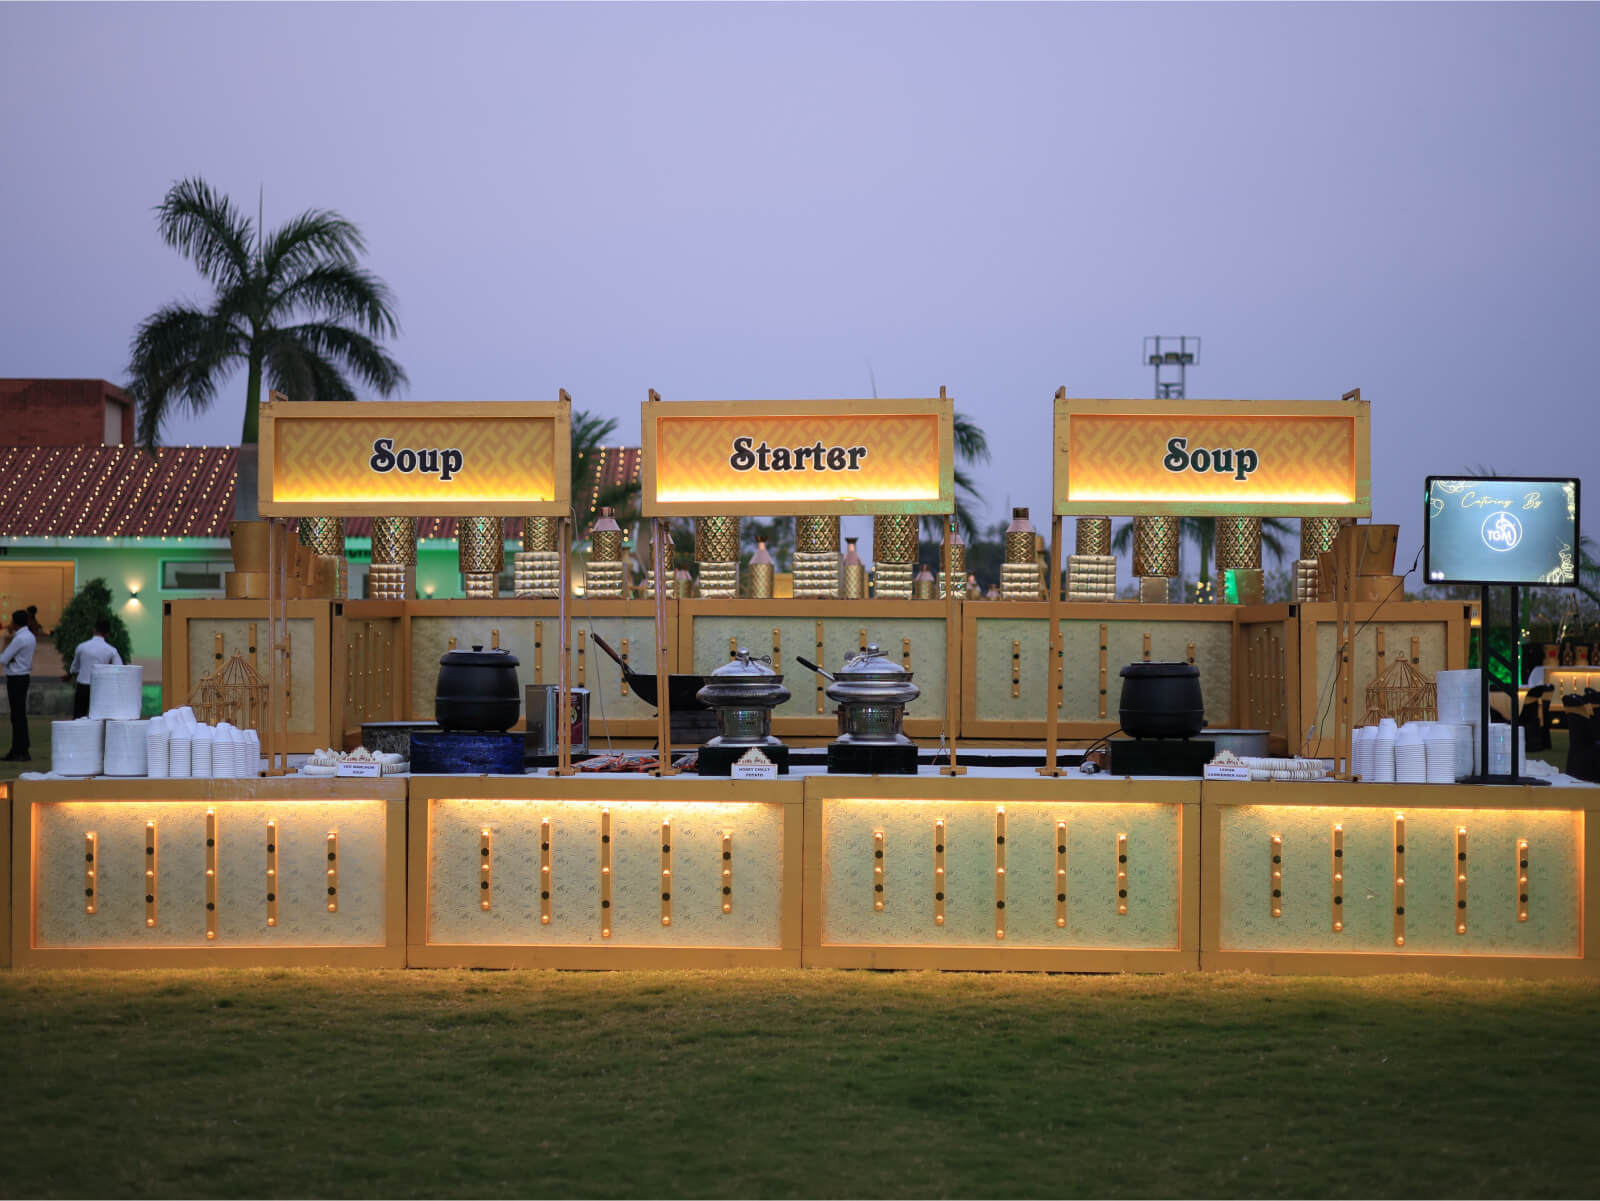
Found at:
[272, 1083]
[38, 746]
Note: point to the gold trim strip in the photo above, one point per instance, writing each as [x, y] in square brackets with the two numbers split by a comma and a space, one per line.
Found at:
[822, 662]
[777, 650]
[1399, 879]
[333, 871]
[1461, 879]
[666, 871]
[1061, 875]
[211, 875]
[1103, 671]
[877, 871]
[91, 872]
[733, 647]
[545, 878]
[938, 872]
[1522, 879]
[1000, 872]
[151, 880]
[605, 873]
[1122, 875]
[538, 652]
[272, 873]
[1338, 879]
[624, 652]
[1016, 667]
[485, 868]
[861, 637]
[905, 653]
[1276, 875]
[583, 646]
[1147, 646]
[727, 871]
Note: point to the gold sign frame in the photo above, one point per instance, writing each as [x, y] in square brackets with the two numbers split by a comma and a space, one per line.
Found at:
[1351, 409]
[709, 504]
[278, 415]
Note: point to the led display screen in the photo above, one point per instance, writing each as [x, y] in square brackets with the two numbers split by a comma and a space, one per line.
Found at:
[1501, 531]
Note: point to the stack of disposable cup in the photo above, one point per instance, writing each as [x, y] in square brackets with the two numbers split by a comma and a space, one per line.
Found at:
[1439, 741]
[1410, 756]
[180, 748]
[1459, 695]
[1382, 752]
[252, 760]
[155, 742]
[222, 753]
[1500, 748]
[1361, 751]
[1466, 740]
[200, 753]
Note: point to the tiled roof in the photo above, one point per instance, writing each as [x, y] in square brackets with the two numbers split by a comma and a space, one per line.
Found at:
[116, 491]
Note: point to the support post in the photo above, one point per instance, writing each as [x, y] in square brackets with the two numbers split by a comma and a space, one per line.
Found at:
[952, 648]
[659, 541]
[1052, 713]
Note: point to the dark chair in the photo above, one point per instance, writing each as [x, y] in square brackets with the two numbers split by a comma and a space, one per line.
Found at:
[1583, 752]
[1535, 728]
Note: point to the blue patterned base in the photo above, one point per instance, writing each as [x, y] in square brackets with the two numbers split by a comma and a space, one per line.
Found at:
[452, 752]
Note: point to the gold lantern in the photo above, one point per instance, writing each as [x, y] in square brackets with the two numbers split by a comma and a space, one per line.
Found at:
[894, 555]
[1019, 573]
[602, 574]
[816, 556]
[716, 550]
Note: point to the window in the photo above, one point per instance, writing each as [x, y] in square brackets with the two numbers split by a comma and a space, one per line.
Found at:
[194, 575]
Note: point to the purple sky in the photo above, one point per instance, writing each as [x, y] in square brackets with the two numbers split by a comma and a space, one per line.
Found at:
[732, 202]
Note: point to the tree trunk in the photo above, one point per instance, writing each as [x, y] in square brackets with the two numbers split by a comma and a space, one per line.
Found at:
[247, 481]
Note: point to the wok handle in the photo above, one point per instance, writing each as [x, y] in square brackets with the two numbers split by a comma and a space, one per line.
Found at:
[606, 646]
[804, 662]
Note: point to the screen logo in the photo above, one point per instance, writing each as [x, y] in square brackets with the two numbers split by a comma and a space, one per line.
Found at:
[1502, 531]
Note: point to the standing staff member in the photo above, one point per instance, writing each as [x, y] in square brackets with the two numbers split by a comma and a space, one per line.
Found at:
[90, 654]
[18, 661]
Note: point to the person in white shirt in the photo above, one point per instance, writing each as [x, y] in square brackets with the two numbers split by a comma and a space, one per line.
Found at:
[90, 654]
[17, 659]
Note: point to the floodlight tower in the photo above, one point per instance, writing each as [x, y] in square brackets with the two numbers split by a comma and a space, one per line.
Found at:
[1169, 351]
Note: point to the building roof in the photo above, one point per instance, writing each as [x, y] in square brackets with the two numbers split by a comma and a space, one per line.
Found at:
[116, 491]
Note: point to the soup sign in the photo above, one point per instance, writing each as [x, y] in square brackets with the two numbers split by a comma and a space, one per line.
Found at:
[705, 458]
[395, 459]
[1213, 457]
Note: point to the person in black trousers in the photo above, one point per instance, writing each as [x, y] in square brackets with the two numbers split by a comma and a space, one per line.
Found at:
[17, 659]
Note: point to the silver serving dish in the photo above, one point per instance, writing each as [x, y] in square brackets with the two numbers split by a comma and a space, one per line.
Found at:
[744, 691]
[872, 692]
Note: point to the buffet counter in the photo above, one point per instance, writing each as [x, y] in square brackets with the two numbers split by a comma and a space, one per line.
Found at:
[997, 869]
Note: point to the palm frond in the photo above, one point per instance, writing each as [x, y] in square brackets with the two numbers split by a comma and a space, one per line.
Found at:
[178, 358]
[206, 228]
[301, 369]
[971, 443]
[315, 236]
[338, 290]
[332, 343]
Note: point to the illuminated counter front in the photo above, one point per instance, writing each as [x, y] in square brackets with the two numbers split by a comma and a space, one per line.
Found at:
[1345, 879]
[166, 873]
[596, 871]
[1000, 870]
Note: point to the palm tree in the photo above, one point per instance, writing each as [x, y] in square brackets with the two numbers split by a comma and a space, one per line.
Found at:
[971, 446]
[292, 306]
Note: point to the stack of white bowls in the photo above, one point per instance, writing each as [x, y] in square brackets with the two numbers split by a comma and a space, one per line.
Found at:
[1466, 740]
[1383, 751]
[1410, 756]
[1361, 751]
[156, 740]
[1439, 742]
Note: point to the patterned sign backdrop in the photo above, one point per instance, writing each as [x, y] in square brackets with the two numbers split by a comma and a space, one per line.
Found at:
[699, 458]
[1262, 460]
[329, 462]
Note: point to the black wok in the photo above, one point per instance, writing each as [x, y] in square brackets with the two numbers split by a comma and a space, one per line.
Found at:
[681, 690]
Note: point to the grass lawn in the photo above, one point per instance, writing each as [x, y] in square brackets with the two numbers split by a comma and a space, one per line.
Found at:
[39, 746]
[811, 1084]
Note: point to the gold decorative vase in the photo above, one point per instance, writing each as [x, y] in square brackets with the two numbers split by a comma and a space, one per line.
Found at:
[1093, 536]
[816, 557]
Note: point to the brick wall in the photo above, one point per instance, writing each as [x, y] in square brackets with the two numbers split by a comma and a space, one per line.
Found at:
[62, 412]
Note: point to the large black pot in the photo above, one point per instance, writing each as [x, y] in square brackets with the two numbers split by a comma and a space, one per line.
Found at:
[477, 690]
[1162, 700]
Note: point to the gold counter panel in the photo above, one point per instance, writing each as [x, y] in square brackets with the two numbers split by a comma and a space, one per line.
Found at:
[596, 872]
[149, 873]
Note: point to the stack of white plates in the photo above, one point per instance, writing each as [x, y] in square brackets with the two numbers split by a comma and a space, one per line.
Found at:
[1439, 741]
[127, 748]
[1466, 739]
[77, 748]
[1459, 695]
[1361, 751]
[1383, 750]
[1410, 756]
[115, 692]
[1500, 748]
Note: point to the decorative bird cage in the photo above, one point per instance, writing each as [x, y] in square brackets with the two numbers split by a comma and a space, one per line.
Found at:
[234, 693]
[1403, 693]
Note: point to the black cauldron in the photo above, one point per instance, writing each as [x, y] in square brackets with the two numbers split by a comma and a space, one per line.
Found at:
[477, 690]
[1162, 700]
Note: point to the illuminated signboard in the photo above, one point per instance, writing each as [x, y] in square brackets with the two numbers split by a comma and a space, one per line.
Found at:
[402, 458]
[704, 458]
[1213, 457]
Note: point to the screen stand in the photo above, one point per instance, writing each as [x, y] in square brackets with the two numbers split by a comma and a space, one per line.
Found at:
[1516, 778]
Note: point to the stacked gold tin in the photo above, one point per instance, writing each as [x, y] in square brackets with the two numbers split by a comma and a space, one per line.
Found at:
[1019, 573]
[958, 563]
[481, 550]
[603, 574]
[393, 573]
[816, 556]
[894, 555]
[536, 568]
[325, 537]
[1092, 568]
[1239, 558]
[248, 579]
[1155, 556]
[763, 571]
[716, 550]
[852, 573]
[1316, 537]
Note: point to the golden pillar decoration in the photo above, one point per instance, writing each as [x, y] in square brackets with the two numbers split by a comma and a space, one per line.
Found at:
[716, 550]
[481, 552]
[852, 573]
[1239, 560]
[1092, 568]
[816, 556]
[894, 555]
[763, 571]
[1019, 573]
[1093, 536]
[1316, 537]
[325, 537]
[603, 573]
[958, 563]
[392, 574]
[1155, 556]
[536, 568]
